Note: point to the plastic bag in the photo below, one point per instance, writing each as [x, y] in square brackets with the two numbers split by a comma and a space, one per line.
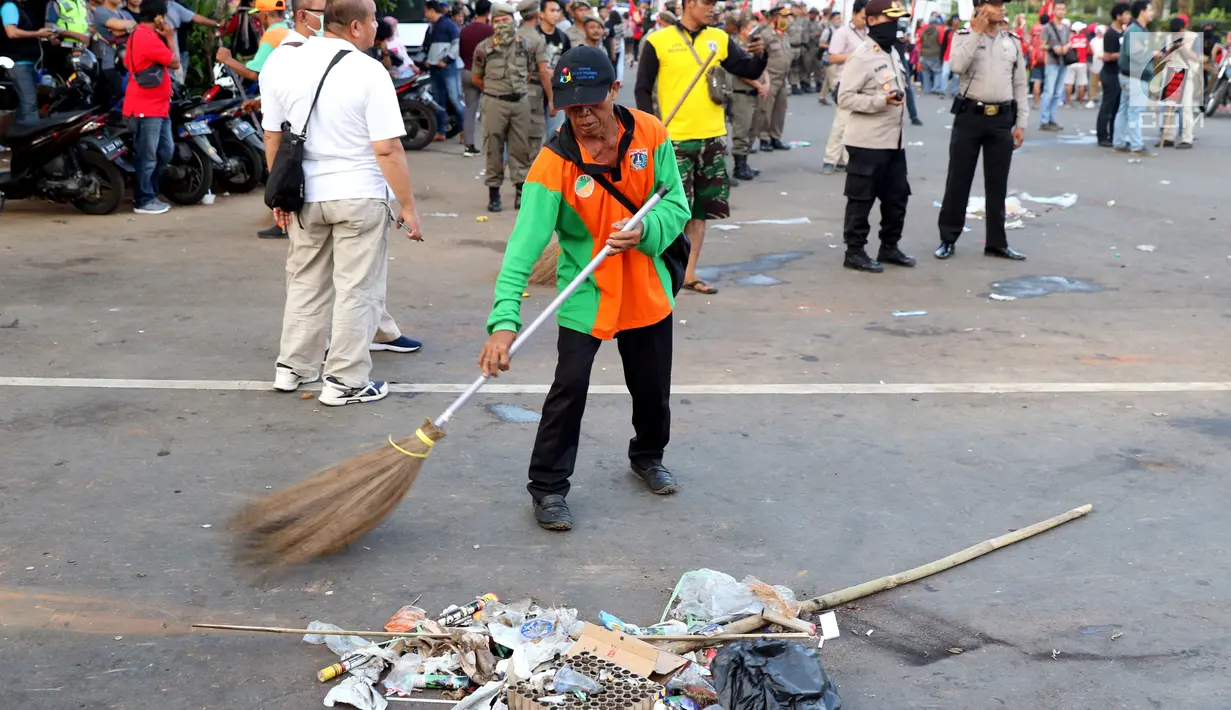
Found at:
[693, 683]
[340, 645]
[400, 680]
[771, 674]
[405, 619]
[709, 596]
[568, 680]
[537, 640]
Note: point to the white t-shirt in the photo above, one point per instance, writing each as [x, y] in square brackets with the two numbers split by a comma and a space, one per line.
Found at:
[1096, 55]
[357, 107]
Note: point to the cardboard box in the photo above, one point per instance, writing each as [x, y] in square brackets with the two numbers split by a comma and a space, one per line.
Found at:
[628, 652]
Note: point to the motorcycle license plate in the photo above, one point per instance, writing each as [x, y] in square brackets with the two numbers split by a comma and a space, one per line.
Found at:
[242, 129]
[113, 148]
[196, 128]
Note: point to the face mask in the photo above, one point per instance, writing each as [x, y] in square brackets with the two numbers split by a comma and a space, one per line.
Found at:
[320, 31]
[883, 34]
[504, 32]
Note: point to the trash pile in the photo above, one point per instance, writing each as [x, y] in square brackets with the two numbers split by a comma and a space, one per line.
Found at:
[1014, 211]
[493, 655]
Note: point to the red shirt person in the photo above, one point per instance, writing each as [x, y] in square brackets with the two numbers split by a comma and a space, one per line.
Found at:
[150, 56]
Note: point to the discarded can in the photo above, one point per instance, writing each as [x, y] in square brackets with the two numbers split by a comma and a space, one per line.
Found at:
[440, 681]
[455, 614]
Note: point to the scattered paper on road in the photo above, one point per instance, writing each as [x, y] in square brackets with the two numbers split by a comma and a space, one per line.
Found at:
[1001, 297]
[724, 227]
[1145, 247]
[793, 220]
[1066, 200]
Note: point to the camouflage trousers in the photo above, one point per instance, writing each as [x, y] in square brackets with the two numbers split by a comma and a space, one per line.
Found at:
[703, 170]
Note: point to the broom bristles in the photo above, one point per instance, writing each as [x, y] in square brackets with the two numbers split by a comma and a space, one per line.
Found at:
[544, 271]
[333, 508]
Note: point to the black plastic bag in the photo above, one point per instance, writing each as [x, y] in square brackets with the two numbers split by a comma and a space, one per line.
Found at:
[771, 674]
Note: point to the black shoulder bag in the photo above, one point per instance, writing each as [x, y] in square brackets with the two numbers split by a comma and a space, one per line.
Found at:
[675, 258]
[284, 189]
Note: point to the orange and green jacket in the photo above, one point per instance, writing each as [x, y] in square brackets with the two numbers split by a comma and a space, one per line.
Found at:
[629, 290]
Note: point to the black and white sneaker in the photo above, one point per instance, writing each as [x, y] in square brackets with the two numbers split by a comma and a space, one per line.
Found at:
[287, 380]
[336, 394]
[401, 345]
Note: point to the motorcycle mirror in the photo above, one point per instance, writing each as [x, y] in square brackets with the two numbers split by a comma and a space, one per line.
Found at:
[7, 63]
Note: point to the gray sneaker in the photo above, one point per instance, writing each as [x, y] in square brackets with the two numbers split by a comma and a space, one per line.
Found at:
[152, 207]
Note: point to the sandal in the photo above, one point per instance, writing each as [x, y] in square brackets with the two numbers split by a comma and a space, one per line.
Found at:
[700, 287]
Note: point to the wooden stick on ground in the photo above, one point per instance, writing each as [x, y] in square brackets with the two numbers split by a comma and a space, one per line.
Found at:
[842, 596]
[419, 634]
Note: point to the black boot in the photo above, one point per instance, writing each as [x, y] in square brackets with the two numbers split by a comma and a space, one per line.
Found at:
[742, 170]
[795, 90]
[517, 199]
[779, 145]
[766, 146]
[493, 199]
[860, 261]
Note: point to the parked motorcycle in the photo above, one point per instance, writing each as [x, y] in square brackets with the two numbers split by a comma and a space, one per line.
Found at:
[241, 153]
[419, 112]
[68, 158]
[1218, 88]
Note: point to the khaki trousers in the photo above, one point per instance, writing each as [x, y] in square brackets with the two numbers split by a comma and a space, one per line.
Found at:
[336, 278]
[1182, 115]
[745, 123]
[835, 151]
[829, 83]
[538, 122]
[773, 111]
[507, 123]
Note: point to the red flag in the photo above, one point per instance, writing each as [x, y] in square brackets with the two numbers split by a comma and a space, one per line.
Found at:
[1046, 8]
[635, 12]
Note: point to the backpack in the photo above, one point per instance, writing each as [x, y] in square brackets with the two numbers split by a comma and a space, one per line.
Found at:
[284, 190]
[929, 42]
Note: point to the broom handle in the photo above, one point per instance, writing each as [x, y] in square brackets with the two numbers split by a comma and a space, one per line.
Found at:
[552, 307]
[683, 96]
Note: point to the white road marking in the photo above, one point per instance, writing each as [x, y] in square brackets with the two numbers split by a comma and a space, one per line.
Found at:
[683, 389]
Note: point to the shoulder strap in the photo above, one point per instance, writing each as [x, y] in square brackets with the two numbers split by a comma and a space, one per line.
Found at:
[691, 48]
[333, 63]
[619, 196]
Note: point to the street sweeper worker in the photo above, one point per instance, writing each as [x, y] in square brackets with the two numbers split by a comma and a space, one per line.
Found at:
[629, 297]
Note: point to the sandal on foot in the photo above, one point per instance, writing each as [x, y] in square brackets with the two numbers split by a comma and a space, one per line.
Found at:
[700, 287]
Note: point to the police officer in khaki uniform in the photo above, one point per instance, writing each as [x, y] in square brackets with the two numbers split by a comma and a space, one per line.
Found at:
[813, 71]
[873, 90]
[746, 96]
[578, 10]
[796, 34]
[502, 66]
[777, 67]
[539, 76]
[991, 113]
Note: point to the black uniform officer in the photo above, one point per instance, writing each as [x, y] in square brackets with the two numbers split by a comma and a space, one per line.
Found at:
[991, 113]
[873, 90]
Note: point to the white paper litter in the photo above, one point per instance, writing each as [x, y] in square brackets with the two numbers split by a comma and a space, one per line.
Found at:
[1164, 182]
[1015, 224]
[1001, 297]
[793, 220]
[1145, 247]
[724, 227]
[355, 691]
[1066, 200]
[440, 214]
[915, 143]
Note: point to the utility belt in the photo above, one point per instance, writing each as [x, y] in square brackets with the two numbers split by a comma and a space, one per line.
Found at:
[511, 98]
[749, 92]
[961, 104]
[800, 45]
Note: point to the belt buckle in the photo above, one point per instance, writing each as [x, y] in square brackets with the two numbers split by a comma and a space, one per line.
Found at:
[991, 110]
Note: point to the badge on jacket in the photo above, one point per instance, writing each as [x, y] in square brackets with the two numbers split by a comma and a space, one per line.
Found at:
[639, 157]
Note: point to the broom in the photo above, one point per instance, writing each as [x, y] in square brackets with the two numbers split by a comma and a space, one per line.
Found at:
[544, 271]
[340, 504]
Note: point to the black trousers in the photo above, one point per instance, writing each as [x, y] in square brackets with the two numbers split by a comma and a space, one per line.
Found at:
[646, 354]
[993, 136]
[875, 174]
[1106, 124]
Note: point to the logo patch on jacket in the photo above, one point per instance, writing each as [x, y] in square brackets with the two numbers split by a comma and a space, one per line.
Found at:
[584, 186]
[639, 157]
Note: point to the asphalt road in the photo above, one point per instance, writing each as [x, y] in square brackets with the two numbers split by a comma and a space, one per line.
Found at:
[106, 493]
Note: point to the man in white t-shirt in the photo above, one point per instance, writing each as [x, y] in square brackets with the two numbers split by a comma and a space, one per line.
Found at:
[352, 159]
